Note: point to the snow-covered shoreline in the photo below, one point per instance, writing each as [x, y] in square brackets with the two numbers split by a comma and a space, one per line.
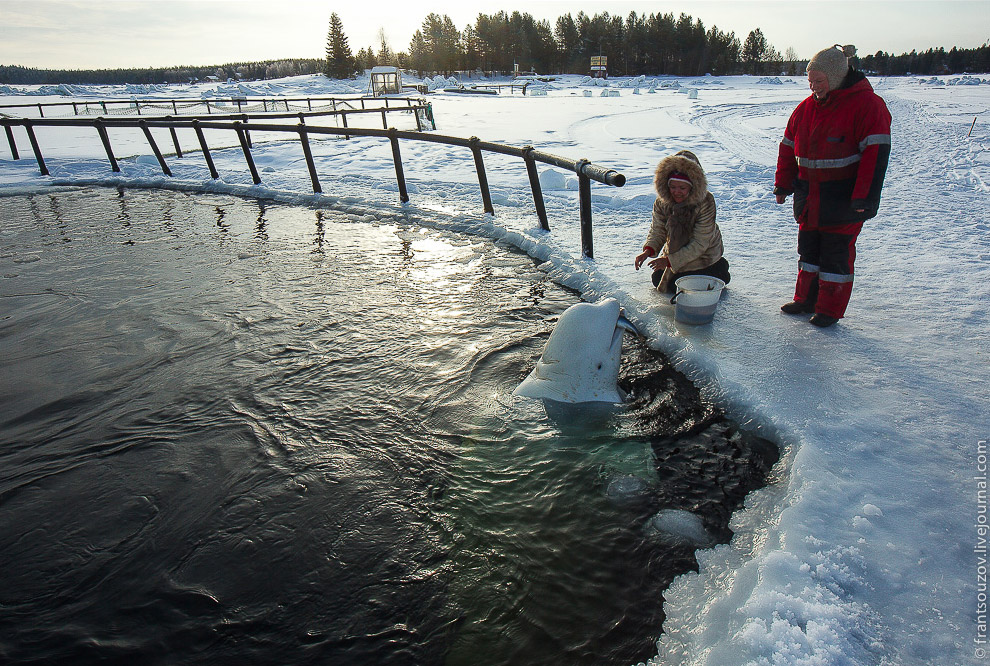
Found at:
[866, 550]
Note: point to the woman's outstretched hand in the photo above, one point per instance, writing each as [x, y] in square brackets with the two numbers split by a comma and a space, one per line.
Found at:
[660, 263]
[642, 257]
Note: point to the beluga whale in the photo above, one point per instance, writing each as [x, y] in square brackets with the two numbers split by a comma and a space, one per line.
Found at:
[580, 362]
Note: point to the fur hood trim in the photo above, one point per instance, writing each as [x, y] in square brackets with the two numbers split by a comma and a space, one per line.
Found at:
[686, 162]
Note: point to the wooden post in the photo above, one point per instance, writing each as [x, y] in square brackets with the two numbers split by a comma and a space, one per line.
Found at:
[400, 177]
[206, 150]
[584, 192]
[105, 139]
[479, 165]
[534, 185]
[304, 140]
[36, 148]
[10, 139]
[154, 148]
[971, 128]
[246, 147]
[343, 117]
[175, 138]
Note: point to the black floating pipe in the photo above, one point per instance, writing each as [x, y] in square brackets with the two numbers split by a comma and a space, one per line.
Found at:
[105, 139]
[206, 150]
[36, 148]
[154, 147]
[247, 135]
[400, 177]
[479, 165]
[10, 139]
[534, 185]
[246, 147]
[584, 191]
[304, 140]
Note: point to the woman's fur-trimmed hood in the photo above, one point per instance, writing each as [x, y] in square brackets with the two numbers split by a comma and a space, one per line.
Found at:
[687, 163]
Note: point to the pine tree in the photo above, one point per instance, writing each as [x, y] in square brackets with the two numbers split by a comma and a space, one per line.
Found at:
[755, 51]
[340, 62]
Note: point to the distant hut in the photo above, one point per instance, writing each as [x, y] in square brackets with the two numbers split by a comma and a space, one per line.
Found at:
[385, 81]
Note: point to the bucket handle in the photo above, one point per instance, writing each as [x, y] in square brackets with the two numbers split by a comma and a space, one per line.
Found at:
[673, 301]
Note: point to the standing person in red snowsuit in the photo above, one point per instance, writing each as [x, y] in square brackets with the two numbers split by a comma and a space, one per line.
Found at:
[833, 159]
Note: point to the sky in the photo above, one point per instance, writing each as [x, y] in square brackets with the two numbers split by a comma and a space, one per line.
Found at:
[98, 34]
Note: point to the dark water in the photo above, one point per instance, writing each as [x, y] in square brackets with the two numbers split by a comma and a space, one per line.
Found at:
[235, 432]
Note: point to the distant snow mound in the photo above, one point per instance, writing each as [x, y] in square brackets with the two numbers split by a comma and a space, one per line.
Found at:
[144, 89]
[966, 81]
[934, 81]
[63, 89]
[770, 81]
[553, 180]
[589, 81]
[440, 82]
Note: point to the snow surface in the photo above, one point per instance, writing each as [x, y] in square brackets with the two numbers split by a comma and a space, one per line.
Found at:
[870, 545]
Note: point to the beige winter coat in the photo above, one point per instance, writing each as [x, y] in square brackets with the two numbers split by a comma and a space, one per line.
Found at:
[702, 240]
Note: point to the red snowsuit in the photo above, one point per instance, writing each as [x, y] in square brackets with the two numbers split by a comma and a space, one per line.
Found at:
[833, 158]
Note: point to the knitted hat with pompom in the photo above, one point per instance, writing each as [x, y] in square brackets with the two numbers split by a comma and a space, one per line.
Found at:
[833, 62]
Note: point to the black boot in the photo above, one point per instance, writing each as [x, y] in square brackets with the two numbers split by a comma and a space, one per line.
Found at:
[823, 320]
[797, 307]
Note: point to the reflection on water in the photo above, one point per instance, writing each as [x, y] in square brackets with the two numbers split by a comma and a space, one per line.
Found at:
[242, 432]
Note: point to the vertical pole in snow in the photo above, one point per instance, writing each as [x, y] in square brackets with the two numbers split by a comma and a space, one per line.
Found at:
[534, 185]
[246, 147]
[584, 191]
[479, 165]
[10, 140]
[971, 128]
[400, 177]
[206, 150]
[36, 148]
[307, 151]
[105, 139]
[175, 138]
[247, 134]
[154, 148]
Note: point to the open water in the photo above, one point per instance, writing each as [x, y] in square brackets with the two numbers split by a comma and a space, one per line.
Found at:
[236, 432]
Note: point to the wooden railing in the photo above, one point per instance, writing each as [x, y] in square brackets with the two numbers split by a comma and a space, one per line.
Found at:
[242, 127]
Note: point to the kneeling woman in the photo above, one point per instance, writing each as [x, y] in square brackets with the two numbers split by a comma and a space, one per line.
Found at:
[683, 238]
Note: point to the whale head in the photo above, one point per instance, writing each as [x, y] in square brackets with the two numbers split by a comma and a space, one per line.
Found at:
[580, 362]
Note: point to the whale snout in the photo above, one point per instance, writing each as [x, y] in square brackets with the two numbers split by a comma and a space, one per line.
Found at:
[580, 362]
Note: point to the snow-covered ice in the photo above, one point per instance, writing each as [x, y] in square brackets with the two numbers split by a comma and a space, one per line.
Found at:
[870, 545]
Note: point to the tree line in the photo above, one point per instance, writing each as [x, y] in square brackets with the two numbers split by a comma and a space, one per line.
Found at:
[638, 44]
[650, 44]
[267, 69]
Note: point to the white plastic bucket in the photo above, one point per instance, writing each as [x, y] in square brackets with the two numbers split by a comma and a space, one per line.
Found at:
[696, 299]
